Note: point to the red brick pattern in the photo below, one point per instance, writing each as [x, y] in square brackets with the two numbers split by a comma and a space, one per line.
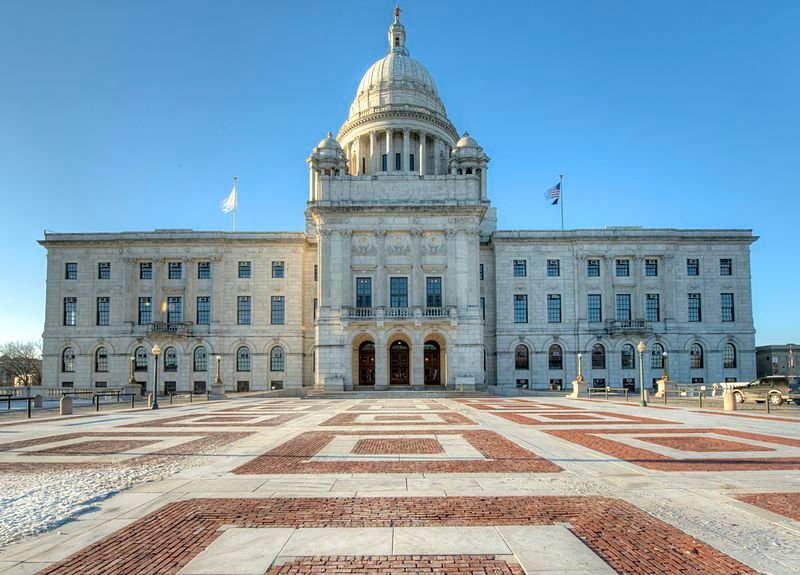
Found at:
[570, 416]
[399, 564]
[421, 446]
[627, 538]
[399, 418]
[225, 418]
[96, 447]
[198, 421]
[198, 443]
[591, 439]
[446, 417]
[700, 444]
[518, 405]
[786, 504]
[617, 419]
[502, 456]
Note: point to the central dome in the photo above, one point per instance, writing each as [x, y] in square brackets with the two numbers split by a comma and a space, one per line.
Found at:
[397, 85]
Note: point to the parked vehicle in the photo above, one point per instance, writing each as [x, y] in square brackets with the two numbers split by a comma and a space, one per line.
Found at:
[774, 388]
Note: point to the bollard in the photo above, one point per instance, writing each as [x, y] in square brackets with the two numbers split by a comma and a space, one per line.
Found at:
[191, 396]
[171, 395]
[700, 397]
[606, 393]
[133, 399]
[766, 402]
[149, 400]
[30, 400]
[728, 401]
[626, 395]
[65, 405]
[665, 397]
[97, 403]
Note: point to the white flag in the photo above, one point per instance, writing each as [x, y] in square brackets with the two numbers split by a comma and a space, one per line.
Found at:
[229, 204]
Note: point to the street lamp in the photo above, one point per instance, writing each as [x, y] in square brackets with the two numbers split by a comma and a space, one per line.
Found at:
[156, 352]
[640, 348]
[132, 380]
[218, 380]
[666, 364]
[580, 370]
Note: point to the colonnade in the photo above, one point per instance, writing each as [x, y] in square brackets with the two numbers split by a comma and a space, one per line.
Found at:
[366, 152]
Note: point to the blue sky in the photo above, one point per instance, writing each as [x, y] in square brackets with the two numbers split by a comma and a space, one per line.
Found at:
[135, 115]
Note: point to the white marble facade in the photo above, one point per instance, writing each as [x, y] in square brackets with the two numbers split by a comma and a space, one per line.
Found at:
[400, 279]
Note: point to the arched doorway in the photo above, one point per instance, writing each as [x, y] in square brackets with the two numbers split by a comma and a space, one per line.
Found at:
[399, 364]
[366, 363]
[432, 363]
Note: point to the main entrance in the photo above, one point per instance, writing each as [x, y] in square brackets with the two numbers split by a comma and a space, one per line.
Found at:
[399, 364]
[433, 363]
[366, 363]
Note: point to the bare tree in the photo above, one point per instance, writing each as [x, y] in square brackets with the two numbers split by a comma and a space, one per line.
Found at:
[22, 360]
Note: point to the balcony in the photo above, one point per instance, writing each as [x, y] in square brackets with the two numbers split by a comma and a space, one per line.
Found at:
[628, 326]
[164, 328]
[380, 315]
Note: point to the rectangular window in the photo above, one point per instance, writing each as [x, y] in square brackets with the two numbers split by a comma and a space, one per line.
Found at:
[553, 268]
[520, 308]
[397, 161]
[695, 311]
[692, 267]
[70, 310]
[145, 310]
[204, 270]
[316, 304]
[595, 314]
[363, 292]
[553, 308]
[725, 267]
[652, 308]
[203, 310]
[411, 162]
[71, 271]
[623, 268]
[316, 272]
[245, 270]
[593, 268]
[174, 270]
[651, 268]
[520, 268]
[483, 308]
[433, 292]
[384, 163]
[146, 270]
[623, 307]
[277, 310]
[481, 271]
[398, 292]
[277, 269]
[727, 306]
[174, 309]
[104, 270]
[243, 310]
[103, 310]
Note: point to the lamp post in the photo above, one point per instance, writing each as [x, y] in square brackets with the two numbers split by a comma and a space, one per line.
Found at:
[132, 380]
[156, 352]
[666, 364]
[640, 348]
[218, 379]
[579, 378]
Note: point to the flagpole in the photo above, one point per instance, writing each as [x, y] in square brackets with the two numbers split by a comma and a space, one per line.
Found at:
[561, 190]
[236, 202]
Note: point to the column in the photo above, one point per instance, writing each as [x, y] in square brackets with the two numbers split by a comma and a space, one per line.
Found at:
[357, 147]
[417, 369]
[189, 306]
[417, 279]
[389, 159]
[379, 297]
[484, 183]
[217, 289]
[421, 159]
[346, 291]
[609, 303]
[372, 155]
[312, 193]
[638, 294]
[381, 364]
[406, 150]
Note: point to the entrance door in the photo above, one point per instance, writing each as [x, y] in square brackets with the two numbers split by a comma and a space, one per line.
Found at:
[399, 363]
[433, 372]
[366, 363]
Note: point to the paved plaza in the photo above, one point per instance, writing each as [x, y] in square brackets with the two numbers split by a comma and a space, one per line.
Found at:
[461, 485]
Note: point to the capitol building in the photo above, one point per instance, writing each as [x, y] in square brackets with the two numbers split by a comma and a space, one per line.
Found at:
[400, 279]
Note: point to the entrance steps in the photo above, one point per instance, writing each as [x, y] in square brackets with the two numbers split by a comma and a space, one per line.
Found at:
[393, 393]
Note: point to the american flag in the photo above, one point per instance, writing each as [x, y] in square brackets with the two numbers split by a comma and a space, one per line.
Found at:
[553, 193]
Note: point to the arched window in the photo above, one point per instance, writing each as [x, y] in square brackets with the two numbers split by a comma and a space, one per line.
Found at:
[276, 362]
[696, 355]
[627, 357]
[68, 360]
[101, 360]
[598, 356]
[200, 360]
[521, 357]
[243, 359]
[140, 356]
[170, 359]
[555, 358]
[657, 356]
[729, 356]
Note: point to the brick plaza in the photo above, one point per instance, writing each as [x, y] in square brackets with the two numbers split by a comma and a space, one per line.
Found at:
[463, 486]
